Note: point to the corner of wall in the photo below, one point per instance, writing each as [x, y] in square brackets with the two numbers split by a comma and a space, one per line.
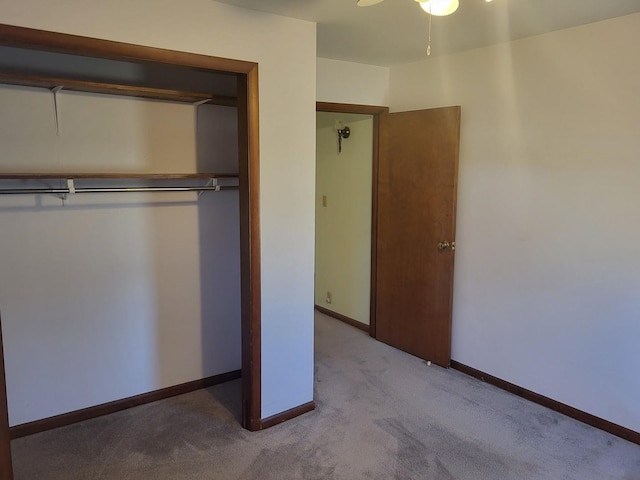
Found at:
[348, 82]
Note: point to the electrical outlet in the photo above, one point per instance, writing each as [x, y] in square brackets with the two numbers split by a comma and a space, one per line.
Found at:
[328, 297]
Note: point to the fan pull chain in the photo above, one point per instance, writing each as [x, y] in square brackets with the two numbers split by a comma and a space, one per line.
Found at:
[429, 44]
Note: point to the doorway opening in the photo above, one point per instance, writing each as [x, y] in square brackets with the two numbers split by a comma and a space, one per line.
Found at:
[346, 191]
[344, 143]
[413, 218]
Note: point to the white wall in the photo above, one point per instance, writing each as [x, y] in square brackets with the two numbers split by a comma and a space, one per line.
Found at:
[547, 272]
[287, 218]
[343, 226]
[347, 82]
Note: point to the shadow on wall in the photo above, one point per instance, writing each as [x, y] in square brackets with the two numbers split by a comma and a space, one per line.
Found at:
[109, 296]
[219, 241]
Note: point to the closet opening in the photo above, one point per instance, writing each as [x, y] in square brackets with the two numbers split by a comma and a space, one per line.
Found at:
[152, 274]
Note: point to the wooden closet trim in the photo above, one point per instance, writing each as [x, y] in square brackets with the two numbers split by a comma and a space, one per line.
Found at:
[376, 111]
[249, 162]
[248, 149]
[21, 37]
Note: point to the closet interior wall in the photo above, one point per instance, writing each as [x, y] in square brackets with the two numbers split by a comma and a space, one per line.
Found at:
[107, 296]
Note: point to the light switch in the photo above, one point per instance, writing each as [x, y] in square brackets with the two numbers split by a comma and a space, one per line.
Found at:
[324, 200]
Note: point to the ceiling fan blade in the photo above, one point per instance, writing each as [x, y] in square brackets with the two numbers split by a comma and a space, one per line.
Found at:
[368, 3]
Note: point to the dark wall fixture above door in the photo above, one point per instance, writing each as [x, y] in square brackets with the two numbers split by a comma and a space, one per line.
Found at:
[343, 132]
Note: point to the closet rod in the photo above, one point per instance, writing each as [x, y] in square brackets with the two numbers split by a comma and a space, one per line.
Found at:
[64, 191]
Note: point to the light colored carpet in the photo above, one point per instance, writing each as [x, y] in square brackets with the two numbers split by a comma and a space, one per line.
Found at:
[382, 414]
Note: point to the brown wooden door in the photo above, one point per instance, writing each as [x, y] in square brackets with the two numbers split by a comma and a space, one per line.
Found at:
[416, 205]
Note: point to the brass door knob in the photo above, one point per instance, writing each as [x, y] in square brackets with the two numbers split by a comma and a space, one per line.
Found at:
[443, 245]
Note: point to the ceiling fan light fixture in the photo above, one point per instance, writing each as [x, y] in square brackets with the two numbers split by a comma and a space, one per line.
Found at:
[368, 3]
[439, 8]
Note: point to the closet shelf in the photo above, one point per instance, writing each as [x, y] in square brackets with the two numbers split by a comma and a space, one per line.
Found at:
[116, 89]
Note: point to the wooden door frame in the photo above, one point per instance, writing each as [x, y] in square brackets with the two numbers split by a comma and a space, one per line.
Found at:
[249, 163]
[375, 111]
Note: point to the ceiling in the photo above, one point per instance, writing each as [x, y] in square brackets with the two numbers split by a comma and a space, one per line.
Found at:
[395, 31]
